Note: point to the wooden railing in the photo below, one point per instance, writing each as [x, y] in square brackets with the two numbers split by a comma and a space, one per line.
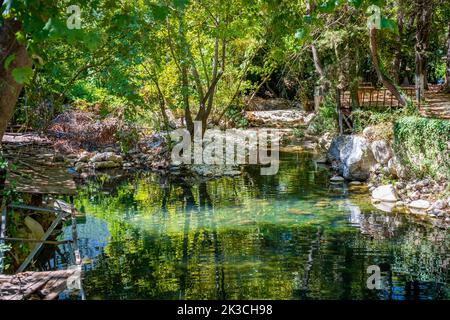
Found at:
[367, 97]
[371, 97]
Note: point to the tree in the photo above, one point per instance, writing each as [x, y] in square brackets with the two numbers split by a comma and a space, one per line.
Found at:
[447, 70]
[424, 11]
[14, 71]
[378, 68]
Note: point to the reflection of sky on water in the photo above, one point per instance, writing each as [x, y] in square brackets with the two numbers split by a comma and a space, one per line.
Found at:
[93, 236]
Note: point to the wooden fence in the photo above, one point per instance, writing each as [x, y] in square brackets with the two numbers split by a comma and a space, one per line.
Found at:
[371, 97]
[367, 97]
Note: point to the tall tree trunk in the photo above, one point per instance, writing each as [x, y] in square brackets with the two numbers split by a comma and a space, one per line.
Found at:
[424, 15]
[397, 62]
[447, 72]
[9, 88]
[376, 63]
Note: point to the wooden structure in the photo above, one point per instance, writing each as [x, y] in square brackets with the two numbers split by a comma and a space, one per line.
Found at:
[36, 285]
[368, 97]
[36, 172]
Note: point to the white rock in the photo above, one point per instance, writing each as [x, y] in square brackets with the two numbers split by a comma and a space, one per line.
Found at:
[337, 179]
[351, 156]
[420, 204]
[439, 204]
[382, 152]
[107, 156]
[368, 132]
[385, 193]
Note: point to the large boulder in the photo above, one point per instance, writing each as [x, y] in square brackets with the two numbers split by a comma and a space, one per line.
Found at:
[385, 193]
[106, 156]
[351, 156]
[382, 152]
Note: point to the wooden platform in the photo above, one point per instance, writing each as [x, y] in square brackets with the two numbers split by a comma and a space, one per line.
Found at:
[35, 285]
[34, 167]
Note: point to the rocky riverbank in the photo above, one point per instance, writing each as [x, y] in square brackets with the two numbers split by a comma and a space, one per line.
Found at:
[367, 158]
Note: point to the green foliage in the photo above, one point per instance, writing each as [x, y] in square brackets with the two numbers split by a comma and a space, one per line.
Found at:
[22, 75]
[422, 145]
[326, 118]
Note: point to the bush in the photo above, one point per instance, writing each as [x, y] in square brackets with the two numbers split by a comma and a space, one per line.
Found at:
[326, 118]
[422, 146]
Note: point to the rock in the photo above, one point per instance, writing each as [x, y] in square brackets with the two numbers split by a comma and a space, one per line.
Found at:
[399, 204]
[395, 168]
[106, 165]
[58, 158]
[278, 118]
[437, 212]
[399, 186]
[420, 204]
[37, 231]
[232, 173]
[414, 195]
[369, 133]
[107, 157]
[80, 166]
[355, 183]
[321, 160]
[385, 193]
[110, 149]
[351, 156]
[325, 141]
[337, 179]
[383, 205]
[382, 152]
[439, 204]
[84, 157]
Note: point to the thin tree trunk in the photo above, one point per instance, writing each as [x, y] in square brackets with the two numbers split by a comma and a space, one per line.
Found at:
[447, 73]
[9, 88]
[424, 15]
[381, 76]
[397, 62]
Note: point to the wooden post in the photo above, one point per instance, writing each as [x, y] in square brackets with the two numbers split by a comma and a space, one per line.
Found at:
[76, 251]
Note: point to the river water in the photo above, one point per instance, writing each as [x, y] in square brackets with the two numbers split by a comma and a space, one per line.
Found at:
[289, 236]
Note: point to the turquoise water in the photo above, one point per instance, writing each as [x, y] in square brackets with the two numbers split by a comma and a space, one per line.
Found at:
[289, 236]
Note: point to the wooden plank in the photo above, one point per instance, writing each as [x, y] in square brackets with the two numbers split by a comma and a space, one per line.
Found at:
[39, 245]
[34, 208]
[35, 240]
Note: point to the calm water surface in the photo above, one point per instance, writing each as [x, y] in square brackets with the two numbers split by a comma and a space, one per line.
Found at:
[289, 236]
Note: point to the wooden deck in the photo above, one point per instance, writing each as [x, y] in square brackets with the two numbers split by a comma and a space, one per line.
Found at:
[36, 285]
[34, 168]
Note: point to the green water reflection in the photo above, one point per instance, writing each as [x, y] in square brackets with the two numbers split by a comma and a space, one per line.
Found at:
[289, 236]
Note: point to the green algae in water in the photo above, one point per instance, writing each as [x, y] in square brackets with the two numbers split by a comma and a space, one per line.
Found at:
[289, 236]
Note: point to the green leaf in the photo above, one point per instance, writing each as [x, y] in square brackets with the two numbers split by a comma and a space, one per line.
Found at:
[355, 3]
[8, 61]
[389, 24]
[159, 12]
[180, 4]
[327, 6]
[22, 75]
[300, 34]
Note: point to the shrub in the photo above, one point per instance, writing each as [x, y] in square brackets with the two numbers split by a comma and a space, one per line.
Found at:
[422, 145]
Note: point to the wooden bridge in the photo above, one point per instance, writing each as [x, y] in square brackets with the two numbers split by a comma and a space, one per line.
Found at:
[435, 104]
